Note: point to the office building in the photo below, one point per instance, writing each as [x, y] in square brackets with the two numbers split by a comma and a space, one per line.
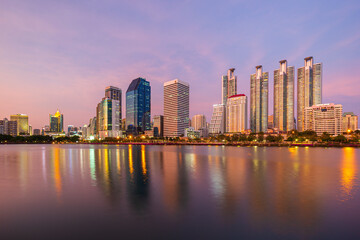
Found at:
[324, 118]
[309, 89]
[22, 123]
[114, 93]
[349, 122]
[158, 126]
[236, 114]
[56, 123]
[138, 106]
[4, 126]
[12, 128]
[284, 98]
[198, 121]
[176, 108]
[218, 118]
[108, 120]
[229, 85]
[259, 87]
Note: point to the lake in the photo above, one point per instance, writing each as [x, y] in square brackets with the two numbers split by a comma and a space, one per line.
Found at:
[178, 192]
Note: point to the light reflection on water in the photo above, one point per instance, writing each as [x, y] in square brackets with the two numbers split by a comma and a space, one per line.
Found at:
[179, 191]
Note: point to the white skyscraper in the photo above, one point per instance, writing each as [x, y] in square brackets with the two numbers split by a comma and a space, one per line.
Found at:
[236, 114]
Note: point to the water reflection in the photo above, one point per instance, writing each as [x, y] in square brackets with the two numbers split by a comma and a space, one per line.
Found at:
[282, 189]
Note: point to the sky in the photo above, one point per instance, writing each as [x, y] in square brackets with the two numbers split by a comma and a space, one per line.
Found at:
[62, 54]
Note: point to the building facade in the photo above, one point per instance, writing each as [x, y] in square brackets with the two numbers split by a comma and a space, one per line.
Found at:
[309, 89]
[324, 118]
[284, 98]
[349, 122]
[138, 106]
[236, 114]
[108, 120]
[56, 122]
[114, 93]
[176, 108]
[218, 118]
[198, 122]
[158, 126]
[22, 123]
[229, 85]
[259, 88]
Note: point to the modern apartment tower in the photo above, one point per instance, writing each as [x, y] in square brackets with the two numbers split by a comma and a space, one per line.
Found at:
[236, 114]
[218, 119]
[229, 85]
[176, 108]
[309, 89]
[259, 87]
[198, 122]
[108, 120]
[158, 125]
[284, 97]
[138, 106]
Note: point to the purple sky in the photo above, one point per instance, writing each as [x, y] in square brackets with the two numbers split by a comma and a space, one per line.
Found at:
[62, 54]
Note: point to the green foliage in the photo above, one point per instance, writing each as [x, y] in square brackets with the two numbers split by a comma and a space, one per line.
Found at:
[340, 138]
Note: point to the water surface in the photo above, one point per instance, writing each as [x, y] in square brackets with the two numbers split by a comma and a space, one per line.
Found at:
[178, 192]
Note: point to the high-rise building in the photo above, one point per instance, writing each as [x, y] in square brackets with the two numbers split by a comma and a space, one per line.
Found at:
[176, 108]
[309, 89]
[349, 122]
[30, 130]
[108, 120]
[259, 87]
[236, 114]
[114, 93]
[218, 118]
[198, 122]
[158, 126]
[56, 122]
[324, 118]
[138, 106]
[284, 97]
[12, 128]
[4, 126]
[229, 85]
[270, 121]
[22, 123]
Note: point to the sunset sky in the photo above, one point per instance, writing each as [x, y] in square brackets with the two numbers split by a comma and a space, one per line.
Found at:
[62, 54]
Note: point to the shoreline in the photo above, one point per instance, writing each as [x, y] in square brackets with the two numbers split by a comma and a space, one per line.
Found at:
[233, 144]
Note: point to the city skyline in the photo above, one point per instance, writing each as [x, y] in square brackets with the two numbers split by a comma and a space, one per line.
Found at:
[49, 63]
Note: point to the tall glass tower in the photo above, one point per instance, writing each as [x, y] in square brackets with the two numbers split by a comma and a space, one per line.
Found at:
[259, 87]
[284, 97]
[309, 92]
[229, 85]
[57, 122]
[138, 106]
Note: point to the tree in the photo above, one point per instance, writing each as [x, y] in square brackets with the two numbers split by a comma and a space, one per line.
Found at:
[325, 137]
[340, 138]
[260, 137]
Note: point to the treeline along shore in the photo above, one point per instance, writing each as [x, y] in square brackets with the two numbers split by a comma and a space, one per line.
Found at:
[293, 138]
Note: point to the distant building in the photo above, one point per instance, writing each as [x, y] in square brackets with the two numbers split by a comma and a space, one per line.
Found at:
[114, 93]
[37, 132]
[158, 126]
[30, 130]
[284, 98]
[349, 122]
[138, 106]
[176, 108]
[4, 126]
[191, 133]
[324, 118]
[12, 128]
[229, 85]
[309, 89]
[236, 114]
[259, 88]
[198, 121]
[22, 123]
[56, 122]
[218, 118]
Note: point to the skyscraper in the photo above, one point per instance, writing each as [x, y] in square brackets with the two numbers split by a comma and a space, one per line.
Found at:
[309, 89]
[198, 122]
[236, 113]
[22, 123]
[57, 122]
[259, 100]
[138, 106]
[284, 97]
[349, 122]
[229, 85]
[108, 120]
[176, 108]
[114, 93]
